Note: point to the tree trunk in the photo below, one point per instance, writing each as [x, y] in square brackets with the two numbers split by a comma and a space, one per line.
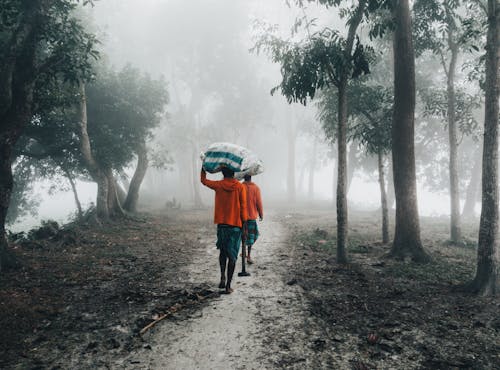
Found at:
[383, 199]
[13, 120]
[334, 186]
[140, 171]
[312, 169]
[342, 222]
[391, 196]
[471, 195]
[407, 233]
[114, 205]
[485, 281]
[75, 192]
[93, 167]
[291, 135]
[120, 192]
[341, 174]
[351, 164]
[455, 232]
[7, 258]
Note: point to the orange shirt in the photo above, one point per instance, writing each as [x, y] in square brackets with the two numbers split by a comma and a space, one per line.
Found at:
[230, 200]
[254, 201]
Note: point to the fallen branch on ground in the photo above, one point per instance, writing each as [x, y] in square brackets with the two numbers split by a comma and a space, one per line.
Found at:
[175, 308]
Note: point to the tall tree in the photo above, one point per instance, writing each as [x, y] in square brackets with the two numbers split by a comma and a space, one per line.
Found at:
[486, 280]
[324, 59]
[440, 26]
[407, 233]
[38, 38]
[121, 110]
[369, 124]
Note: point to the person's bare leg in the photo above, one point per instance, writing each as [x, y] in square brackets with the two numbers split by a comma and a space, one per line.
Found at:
[230, 271]
[222, 263]
[249, 260]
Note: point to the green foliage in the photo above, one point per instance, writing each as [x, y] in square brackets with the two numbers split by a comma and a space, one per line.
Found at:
[315, 63]
[23, 201]
[440, 25]
[436, 106]
[372, 107]
[50, 31]
[370, 112]
[123, 108]
[324, 59]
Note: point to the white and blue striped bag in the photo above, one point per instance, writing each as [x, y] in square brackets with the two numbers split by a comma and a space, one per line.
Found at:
[235, 157]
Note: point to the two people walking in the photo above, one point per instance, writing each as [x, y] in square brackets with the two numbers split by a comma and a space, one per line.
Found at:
[237, 206]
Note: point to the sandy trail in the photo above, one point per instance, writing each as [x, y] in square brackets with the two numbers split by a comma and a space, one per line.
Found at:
[234, 331]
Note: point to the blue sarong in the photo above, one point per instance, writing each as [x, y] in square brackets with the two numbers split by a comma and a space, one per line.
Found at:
[252, 232]
[229, 240]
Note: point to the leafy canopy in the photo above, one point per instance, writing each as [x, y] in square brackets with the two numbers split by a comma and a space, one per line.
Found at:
[321, 60]
[122, 109]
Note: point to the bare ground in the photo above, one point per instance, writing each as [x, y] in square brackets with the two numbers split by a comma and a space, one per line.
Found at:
[84, 295]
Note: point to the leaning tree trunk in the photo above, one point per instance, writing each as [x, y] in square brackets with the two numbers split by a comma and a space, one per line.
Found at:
[455, 232]
[135, 184]
[114, 205]
[93, 167]
[383, 198]
[75, 192]
[485, 281]
[407, 233]
[472, 189]
[120, 192]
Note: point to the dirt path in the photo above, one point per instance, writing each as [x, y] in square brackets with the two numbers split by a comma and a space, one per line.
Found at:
[235, 331]
[83, 296]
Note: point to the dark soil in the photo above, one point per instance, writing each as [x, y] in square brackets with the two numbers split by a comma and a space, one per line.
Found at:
[84, 292]
[380, 313]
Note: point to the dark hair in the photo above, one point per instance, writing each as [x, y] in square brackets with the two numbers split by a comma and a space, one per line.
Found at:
[248, 178]
[227, 172]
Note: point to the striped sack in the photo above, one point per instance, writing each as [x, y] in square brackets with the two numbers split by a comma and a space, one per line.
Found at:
[234, 157]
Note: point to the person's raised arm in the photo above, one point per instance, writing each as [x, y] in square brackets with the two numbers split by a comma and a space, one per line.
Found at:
[203, 178]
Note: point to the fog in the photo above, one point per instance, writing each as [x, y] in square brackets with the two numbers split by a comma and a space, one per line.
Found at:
[219, 90]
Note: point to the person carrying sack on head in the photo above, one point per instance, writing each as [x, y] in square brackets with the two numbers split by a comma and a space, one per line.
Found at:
[254, 209]
[230, 215]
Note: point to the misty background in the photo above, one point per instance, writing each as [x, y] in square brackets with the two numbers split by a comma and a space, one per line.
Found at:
[219, 90]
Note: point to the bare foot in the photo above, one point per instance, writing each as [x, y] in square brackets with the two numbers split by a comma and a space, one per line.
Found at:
[229, 290]
[249, 260]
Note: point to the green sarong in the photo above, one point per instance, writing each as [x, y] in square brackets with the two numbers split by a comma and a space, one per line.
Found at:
[229, 240]
[252, 232]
